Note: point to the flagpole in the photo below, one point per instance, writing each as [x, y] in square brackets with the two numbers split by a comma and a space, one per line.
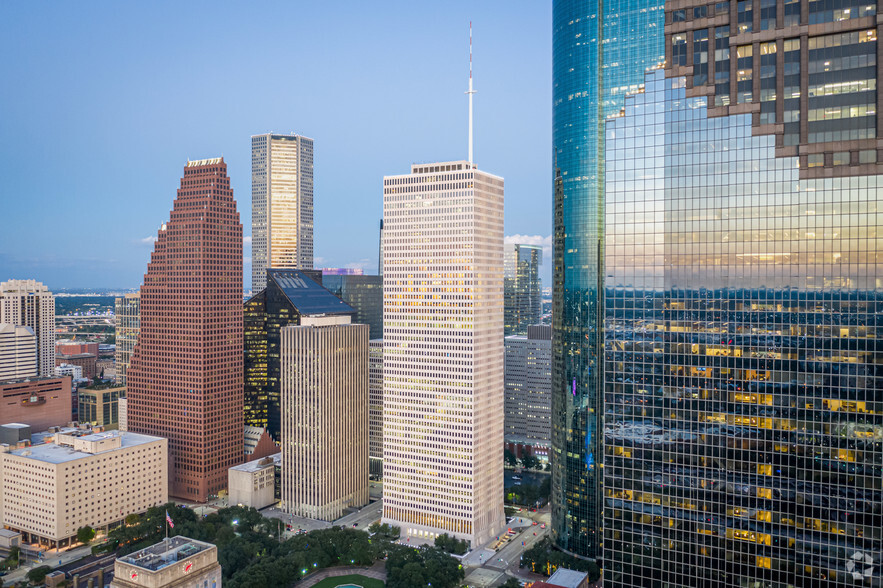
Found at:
[167, 525]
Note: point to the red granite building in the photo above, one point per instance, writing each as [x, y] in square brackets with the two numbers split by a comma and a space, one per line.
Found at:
[184, 382]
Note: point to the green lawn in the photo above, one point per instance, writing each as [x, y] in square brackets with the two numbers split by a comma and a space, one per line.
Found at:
[351, 580]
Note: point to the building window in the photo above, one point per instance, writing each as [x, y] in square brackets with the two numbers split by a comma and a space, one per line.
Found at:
[744, 73]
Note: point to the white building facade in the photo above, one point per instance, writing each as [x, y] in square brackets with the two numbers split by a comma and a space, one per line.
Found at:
[281, 205]
[443, 352]
[375, 407]
[78, 478]
[18, 352]
[29, 303]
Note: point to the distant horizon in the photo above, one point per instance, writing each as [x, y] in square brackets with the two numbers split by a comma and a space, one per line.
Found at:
[94, 171]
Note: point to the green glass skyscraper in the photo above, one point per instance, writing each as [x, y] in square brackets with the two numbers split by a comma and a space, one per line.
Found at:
[600, 53]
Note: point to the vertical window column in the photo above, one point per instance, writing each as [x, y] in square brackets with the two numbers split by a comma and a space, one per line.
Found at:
[700, 57]
[722, 66]
[744, 74]
[791, 91]
[768, 56]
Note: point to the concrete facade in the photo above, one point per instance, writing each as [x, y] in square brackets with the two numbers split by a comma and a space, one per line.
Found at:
[38, 402]
[281, 205]
[29, 303]
[78, 477]
[324, 417]
[443, 352]
[176, 562]
[254, 483]
[18, 352]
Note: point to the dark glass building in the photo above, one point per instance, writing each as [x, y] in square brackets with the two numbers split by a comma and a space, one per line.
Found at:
[364, 294]
[288, 295]
[600, 52]
[744, 289]
[522, 291]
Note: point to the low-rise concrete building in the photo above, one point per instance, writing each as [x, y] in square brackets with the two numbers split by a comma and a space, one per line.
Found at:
[254, 482]
[171, 563]
[73, 477]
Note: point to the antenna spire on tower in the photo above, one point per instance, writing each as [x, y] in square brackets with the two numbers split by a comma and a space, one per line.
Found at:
[470, 92]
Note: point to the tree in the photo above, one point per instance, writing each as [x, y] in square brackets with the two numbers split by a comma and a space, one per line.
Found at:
[528, 461]
[37, 575]
[85, 534]
[452, 544]
[133, 519]
[511, 583]
[510, 458]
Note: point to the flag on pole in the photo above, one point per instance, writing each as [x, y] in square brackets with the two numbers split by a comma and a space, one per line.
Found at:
[169, 520]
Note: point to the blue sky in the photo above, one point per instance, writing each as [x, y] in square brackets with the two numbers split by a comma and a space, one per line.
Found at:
[102, 103]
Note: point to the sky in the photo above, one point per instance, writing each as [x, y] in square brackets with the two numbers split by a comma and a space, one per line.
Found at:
[103, 103]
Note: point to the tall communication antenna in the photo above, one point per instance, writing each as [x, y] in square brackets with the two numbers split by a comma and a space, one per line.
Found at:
[470, 91]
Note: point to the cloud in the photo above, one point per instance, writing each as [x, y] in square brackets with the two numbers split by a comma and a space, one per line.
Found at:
[544, 242]
[246, 240]
[246, 260]
[362, 264]
[150, 239]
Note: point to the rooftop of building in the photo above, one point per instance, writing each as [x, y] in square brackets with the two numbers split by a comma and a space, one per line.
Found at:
[201, 162]
[165, 553]
[307, 295]
[43, 448]
[567, 578]
[258, 464]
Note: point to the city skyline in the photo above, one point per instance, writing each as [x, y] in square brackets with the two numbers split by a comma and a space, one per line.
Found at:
[120, 132]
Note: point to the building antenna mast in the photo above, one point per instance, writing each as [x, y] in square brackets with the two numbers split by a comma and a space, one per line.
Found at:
[470, 92]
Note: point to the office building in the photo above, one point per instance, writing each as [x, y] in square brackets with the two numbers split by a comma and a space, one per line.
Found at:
[73, 477]
[38, 402]
[175, 562]
[87, 362]
[122, 414]
[74, 372]
[375, 408]
[127, 319]
[443, 352]
[743, 437]
[184, 381]
[363, 293]
[254, 483]
[68, 347]
[528, 389]
[99, 407]
[324, 417]
[599, 53]
[288, 295]
[18, 352]
[29, 303]
[281, 205]
[522, 291]
[380, 251]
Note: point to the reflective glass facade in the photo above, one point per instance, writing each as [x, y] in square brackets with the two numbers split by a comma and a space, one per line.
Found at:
[599, 55]
[743, 406]
[288, 295]
[522, 290]
[364, 294]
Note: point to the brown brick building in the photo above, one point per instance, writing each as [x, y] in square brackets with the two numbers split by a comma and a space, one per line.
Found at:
[185, 377]
[87, 361]
[38, 402]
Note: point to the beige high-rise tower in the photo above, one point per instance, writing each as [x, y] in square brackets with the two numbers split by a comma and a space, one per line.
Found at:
[29, 303]
[281, 205]
[324, 416]
[443, 352]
